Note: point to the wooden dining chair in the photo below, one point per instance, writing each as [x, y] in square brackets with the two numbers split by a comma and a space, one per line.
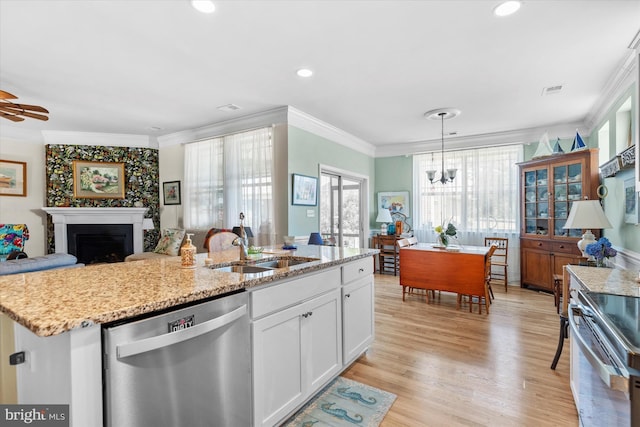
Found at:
[388, 255]
[499, 263]
[479, 299]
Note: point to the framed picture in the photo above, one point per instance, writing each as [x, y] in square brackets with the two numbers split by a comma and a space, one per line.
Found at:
[395, 201]
[305, 190]
[631, 200]
[171, 191]
[13, 178]
[98, 180]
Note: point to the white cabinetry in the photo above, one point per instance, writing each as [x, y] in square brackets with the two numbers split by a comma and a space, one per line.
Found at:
[297, 342]
[357, 309]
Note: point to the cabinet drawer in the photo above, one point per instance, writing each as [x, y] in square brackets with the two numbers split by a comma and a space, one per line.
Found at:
[535, 244]
[565, 248]
[357, 269]
[285, 294]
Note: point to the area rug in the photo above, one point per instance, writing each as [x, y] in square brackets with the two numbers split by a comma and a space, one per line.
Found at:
[344, 402]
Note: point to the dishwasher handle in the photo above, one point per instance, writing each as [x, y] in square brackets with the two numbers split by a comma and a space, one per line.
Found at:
[607, 373]
[154, 343]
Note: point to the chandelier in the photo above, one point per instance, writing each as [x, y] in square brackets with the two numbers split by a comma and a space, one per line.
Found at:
[448, 175]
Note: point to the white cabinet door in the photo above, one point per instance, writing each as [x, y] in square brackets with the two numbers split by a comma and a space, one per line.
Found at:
[358, 317]
[295, 351]
[322, 340]
[277, 365]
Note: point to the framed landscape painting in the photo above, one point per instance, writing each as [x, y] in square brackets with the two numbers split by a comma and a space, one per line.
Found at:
[98, 180]
[13, 178]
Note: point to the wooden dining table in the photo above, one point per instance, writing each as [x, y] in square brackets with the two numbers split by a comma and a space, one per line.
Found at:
[458, 269]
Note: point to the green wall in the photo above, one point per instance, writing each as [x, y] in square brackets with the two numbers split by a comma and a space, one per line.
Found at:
[622, 234]
[306, 152]
[392, 174]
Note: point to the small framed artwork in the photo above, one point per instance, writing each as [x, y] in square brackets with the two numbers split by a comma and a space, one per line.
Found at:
[631, 199]
[171, 191]
[98, 180]
[13, 178]
[305, 190]
[395, 201]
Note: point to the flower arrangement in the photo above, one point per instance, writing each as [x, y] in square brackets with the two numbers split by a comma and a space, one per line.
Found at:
[600, 250]
[445, 233]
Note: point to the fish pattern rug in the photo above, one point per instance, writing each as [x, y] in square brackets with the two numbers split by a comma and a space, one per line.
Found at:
[342, 403]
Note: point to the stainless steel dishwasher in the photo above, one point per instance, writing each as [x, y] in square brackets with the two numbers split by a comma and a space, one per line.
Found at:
[189, 367]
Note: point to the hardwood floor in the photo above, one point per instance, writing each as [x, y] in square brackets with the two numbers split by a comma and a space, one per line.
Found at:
[450, 367]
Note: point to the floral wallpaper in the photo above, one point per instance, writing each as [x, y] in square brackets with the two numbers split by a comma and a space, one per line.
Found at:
[141, 173]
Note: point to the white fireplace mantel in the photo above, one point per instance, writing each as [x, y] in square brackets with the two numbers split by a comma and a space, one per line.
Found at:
[63, 216]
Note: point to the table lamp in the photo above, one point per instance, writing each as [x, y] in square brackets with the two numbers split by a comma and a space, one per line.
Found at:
[587, 214]
[147, 224]
[384, 217]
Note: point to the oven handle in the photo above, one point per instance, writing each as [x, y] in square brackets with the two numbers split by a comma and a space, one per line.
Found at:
[608, 373]
[165, 340]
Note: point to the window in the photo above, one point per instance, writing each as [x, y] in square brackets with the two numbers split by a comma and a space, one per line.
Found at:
[483, 200]
[228, 175]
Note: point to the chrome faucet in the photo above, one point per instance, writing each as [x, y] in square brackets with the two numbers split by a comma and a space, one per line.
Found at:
[242, 241]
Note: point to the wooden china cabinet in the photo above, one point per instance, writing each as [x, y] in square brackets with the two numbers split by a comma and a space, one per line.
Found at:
[548, 187]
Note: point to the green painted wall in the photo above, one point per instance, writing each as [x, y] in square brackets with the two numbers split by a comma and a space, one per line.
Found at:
[306, 152]
[622, 234]
[392, 174]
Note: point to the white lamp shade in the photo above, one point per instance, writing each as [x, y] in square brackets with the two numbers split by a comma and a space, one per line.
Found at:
[384, 216]
[147, 224]
[587, 214]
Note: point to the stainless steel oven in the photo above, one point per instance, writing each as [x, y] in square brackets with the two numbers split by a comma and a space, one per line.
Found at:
[605, 359]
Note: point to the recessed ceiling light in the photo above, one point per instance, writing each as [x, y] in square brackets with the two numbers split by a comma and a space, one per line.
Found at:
[204, 6]
[304, 72]
[507, 8]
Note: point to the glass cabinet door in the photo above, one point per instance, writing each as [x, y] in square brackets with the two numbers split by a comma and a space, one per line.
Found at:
[536, 206]
[567, 187]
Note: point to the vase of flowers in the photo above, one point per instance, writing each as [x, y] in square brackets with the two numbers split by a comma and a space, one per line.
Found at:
[601, 251]
[445, 234]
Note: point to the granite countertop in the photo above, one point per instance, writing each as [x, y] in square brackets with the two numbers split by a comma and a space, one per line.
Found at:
[54, 301]
[607, 280]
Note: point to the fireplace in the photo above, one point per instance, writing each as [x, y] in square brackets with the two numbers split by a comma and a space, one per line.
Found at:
[63, 218]
[100, 243]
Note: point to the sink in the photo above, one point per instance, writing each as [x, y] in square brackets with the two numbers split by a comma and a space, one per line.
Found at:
[285, 262]
[264, 266]
[244, 269]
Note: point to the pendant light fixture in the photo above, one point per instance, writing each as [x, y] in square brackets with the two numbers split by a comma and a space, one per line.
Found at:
[448, 175]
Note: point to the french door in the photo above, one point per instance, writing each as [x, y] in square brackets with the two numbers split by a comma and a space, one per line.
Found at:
[341, 213]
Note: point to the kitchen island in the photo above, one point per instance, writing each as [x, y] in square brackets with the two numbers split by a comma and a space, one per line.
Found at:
[63, 311]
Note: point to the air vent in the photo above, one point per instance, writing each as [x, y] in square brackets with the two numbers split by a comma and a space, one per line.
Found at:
[551, 90]
[229, 107]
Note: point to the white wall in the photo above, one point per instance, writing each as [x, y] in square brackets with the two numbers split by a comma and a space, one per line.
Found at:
[171, 163]
[26, 210]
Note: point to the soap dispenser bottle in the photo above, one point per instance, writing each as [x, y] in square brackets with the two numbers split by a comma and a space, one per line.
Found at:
[188, 253]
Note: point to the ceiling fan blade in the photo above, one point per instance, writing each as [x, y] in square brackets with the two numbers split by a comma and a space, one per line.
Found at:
[24, 107]
[7, 95]
[11, 117]
[20, 112]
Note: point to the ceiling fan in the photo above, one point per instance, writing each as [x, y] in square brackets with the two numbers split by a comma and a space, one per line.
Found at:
[17, 112]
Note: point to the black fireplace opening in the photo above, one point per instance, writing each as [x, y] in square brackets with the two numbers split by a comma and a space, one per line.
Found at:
[100, 243]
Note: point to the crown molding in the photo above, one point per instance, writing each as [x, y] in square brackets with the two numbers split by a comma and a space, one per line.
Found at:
[238, 124]
[95, 138]
[520, 136]
[18, 134]
[624, 77]
[316, 126]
